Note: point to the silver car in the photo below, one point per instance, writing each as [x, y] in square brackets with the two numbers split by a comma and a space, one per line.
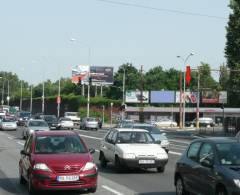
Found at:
[34, 125]
[89, 123]
[8, 123]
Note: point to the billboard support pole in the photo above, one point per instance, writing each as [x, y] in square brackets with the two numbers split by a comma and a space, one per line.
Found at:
[198, 98]
[180, 105]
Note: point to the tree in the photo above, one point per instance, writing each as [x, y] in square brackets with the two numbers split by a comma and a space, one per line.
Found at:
[156, 79]
[223, 77]
[232, 52]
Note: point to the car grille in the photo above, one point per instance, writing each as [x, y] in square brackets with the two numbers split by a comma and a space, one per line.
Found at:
[62, 169]
[146, 156]
[69, 183]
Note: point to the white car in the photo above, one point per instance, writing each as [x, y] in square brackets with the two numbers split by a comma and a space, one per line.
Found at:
[132, 148]
[8, 123]
[166, 123]
[73, 116]
[65, 123]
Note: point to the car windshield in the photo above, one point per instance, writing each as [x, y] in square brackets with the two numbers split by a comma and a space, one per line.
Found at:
[24, 114]
[50, 118]
[135, 137]
[71, 114]
[65, 119]
[159, 136]
[8, 120]
[228, 153]
[59, 145]
[38, 124]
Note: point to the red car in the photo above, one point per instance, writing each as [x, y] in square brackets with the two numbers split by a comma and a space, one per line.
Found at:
[57, 160]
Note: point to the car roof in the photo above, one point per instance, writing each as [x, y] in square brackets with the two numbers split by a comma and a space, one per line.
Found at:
[130, 129]
[217, 140]
[52, 133]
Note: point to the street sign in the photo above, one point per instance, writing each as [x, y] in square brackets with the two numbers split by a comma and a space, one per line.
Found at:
[188, 75]
[58, 99]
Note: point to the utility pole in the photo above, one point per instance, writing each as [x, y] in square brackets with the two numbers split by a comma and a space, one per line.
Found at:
[198, 98]
[8, 97]
[141, 117]
[43, 98]
[59, 97]
[21, 97]
[3, 92]
[31, 99]
[180, 105]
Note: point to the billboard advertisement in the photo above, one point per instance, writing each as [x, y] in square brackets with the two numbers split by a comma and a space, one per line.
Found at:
[214, 97]
[80, 74]
[135, 97]
[102, 75]
[162, 96]
[190, 97]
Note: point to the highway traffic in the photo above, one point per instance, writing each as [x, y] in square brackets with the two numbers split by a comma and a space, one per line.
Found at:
[133, 181]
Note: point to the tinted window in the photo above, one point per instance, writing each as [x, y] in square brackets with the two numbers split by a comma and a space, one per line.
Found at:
[193, 150]
[50, 118]
[109, 136]
[8, 120]
[134, 137]
[37, 124]
[206, 153]
[59, 145]
[228, 153]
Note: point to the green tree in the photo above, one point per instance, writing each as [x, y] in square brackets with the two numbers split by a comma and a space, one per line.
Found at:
[232, 52]
[223, 77]
[155, 79]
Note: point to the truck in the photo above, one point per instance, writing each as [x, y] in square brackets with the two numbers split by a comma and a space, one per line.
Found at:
[73, 116]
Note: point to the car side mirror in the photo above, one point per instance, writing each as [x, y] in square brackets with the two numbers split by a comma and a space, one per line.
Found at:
[91, 150]
[23, 152]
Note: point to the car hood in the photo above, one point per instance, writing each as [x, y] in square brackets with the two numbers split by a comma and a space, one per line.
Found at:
[141, 149]
[56, 161]
[39, 128]
[233, 171]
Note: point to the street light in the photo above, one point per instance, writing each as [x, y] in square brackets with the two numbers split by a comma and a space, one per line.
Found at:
[31, 88]
[184, 85]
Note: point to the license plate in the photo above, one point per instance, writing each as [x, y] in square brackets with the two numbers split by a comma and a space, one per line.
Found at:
[146, 161]
[68, 178]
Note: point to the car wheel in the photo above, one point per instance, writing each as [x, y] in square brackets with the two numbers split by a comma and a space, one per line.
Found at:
[180, 189]
[160, 169]
[103, 161]
[92, 190]
[117, 164]
[31, 189]
[221, 191]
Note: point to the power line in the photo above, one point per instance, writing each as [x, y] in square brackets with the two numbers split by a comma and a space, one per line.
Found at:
[162, 9]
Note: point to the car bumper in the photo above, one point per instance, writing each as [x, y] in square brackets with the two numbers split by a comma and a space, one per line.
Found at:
[67, 126]
[92, 126]
[134, 163]
[49, 182]
[9, 128]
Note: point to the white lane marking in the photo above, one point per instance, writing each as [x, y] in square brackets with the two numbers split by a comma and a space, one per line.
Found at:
[111, 190]
[178, 141]
[180, 146]
[11, 138]
[21, 143]
[175, 153]
[90, 137]
[177, 148]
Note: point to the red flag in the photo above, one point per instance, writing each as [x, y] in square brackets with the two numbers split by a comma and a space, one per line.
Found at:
[188, 75]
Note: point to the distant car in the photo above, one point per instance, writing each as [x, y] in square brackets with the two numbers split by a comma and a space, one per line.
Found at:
[73, 116]
[125, 123]
[8, 123]
[166, 123]
[158, 135]
[65, 123]
[203, 122]
[132, 148]
[34, 125]
[209, 166]
[89, 123]
[57, 160]
[51, 121]
[23, 117]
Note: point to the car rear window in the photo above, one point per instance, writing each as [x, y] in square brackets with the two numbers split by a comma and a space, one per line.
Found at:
[59, 145]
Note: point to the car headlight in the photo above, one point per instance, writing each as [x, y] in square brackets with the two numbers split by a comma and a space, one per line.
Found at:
[89, 166]
[237, 182]
[20, 119]
[129, 156]
[41, 166]
[162, 156]
[31, 131]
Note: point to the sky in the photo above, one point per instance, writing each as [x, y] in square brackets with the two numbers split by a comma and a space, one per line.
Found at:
[35, 36]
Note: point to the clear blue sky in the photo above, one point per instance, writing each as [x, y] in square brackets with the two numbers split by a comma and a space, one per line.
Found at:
[35, 35]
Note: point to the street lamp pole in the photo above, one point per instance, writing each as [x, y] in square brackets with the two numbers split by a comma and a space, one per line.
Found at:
[184, 85]
[31, 88]
[59, 97]
[198, 98]
[21, 91]
[8, 97]
[43, 98]
[3, 93]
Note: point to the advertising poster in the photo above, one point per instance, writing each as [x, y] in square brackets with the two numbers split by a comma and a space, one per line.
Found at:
[190, 97]
[214, 97]
[162, 96]
[101, 75]
[80, 74]
[135, 97]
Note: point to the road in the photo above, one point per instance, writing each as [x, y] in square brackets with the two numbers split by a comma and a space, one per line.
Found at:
[141, 182]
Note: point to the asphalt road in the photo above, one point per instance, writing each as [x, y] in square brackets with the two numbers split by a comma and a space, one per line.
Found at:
[141, 182]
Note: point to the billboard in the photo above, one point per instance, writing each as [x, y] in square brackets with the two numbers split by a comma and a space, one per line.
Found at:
[80, 74]
[162, 96]
[101, 75]
[135, 97]
[214, 97]
[190, 97]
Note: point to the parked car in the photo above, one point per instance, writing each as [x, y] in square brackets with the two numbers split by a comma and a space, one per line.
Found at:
[57, 160]
[133, 148]
[23, 117]
[166, 123]
[51, 121]
[203, 122]
[65, 123]
[8, 123]
[158, 135]
[34, 125]
[209, 166]
[73, 116]
[89, 123]
[125, 123]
